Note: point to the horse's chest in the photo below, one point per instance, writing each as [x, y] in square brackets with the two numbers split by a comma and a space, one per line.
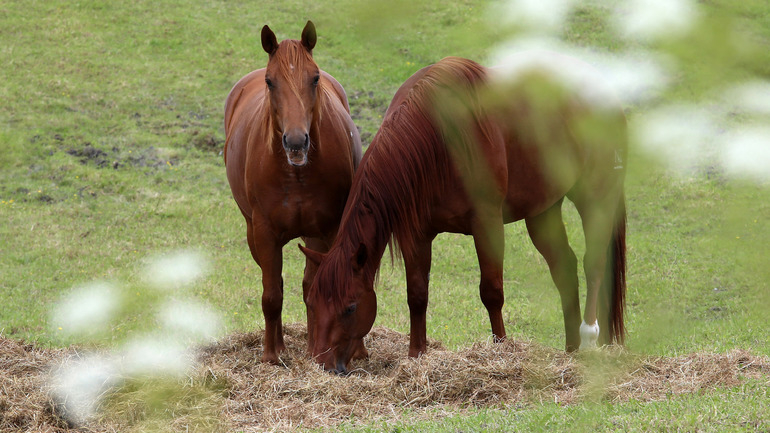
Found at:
[297, 207]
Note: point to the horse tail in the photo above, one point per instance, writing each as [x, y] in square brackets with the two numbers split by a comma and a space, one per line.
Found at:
[614, 286]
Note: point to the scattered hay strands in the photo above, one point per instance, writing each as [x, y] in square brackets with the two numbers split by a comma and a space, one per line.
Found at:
[257, 397]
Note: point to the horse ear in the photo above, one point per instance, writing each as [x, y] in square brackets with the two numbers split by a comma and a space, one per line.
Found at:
[309, 36]
[360, 257]
[269, 42]
[312, 255]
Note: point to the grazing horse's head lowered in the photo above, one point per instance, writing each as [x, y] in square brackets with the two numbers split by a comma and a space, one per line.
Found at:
[466, 149]
[292, 78]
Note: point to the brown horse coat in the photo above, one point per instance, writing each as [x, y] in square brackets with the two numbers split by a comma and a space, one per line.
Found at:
[462, 151]
[290, 153]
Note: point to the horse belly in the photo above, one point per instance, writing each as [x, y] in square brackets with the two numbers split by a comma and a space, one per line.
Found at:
[539, 180]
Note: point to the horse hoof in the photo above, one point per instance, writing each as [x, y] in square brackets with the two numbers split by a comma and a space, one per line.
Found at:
[589, 335]
[271, 359]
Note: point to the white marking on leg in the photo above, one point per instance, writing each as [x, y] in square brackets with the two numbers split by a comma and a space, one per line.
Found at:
[589, 335]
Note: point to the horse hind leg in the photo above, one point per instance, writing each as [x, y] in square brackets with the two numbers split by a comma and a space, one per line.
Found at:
[489, 239]
[602, 319]
[550, 238]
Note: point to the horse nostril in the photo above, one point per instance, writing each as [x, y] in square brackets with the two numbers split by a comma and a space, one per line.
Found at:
[296, 141]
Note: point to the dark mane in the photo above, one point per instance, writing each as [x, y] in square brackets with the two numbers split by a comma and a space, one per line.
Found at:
[390, 200]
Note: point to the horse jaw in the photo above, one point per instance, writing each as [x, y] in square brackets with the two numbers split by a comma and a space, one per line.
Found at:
[296, 158]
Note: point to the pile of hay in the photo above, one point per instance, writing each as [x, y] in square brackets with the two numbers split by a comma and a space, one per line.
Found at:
[503, 375]
[24, 401]
[256, 397]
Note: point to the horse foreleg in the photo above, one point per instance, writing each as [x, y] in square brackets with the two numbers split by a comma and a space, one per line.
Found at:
[550, 238]
[269, 258]
[417, 268]
[310, 270]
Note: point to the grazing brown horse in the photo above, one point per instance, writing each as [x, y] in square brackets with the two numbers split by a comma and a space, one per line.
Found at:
[290, 154]
[462, 151]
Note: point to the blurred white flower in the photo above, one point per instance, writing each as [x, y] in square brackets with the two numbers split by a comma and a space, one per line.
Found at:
[78, 384]
[600, 77]
[746, 153]
[190, 320]
[176, 270]
[636, 77]
[751, 97]
[538, 16]
[680, 136]
[155, 356]
[87, 309]
[655, 19]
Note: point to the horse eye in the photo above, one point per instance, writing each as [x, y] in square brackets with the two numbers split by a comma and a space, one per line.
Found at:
[350, 310]
[269, 83]
[315, 80]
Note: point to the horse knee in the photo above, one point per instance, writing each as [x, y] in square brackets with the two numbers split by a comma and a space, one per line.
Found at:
[564, 272]
[492, 295]
[417, 301]
[272, 304]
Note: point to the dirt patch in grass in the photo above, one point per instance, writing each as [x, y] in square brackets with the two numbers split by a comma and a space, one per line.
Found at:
[249, 396]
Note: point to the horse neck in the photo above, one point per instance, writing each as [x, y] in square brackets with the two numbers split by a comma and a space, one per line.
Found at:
[365, 225]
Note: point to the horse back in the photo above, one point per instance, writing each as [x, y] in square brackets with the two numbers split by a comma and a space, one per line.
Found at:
[563, 131]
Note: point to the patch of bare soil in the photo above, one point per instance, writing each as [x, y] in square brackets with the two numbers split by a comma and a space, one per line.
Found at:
[256, 397]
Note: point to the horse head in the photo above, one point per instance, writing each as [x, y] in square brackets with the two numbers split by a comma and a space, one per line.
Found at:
[292, 81]
[343, 306]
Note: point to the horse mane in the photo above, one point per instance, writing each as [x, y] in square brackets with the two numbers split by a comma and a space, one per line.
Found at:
[401, 172]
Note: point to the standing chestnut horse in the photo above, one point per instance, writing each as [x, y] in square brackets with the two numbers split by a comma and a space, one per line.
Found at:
[290, 154]
[463, 150]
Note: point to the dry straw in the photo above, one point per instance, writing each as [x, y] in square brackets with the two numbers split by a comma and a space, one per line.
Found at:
[249, 396]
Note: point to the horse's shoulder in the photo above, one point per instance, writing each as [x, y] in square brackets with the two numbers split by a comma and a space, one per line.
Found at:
[328, 80]
[252, 79]
[248, 86]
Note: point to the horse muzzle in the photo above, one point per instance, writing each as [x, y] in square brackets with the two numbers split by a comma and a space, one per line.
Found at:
[340, 369]
[296, 147]
[331, 363]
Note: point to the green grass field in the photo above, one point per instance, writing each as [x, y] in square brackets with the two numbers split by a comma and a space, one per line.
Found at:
[110, 154]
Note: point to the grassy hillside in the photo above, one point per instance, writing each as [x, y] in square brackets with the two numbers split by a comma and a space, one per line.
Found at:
[110, 155]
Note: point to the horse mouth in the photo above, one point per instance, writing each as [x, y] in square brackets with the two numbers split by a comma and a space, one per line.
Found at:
[297, 158]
